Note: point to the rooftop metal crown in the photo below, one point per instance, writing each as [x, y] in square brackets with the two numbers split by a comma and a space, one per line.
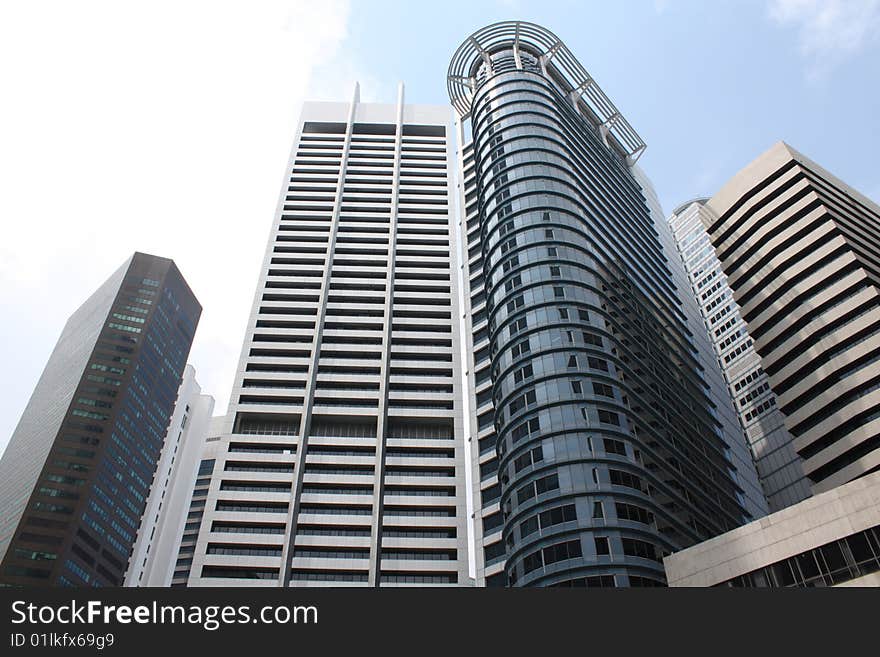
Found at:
[556, 61]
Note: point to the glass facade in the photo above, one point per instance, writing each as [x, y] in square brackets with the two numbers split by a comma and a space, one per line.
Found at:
[602, 449]
[84, 511]
[779, 467]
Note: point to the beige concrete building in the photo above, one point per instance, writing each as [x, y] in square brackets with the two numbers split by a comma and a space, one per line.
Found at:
[831, 539]
[801, 250]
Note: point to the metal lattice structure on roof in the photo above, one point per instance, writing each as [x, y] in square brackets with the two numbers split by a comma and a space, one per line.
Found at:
[557, 63]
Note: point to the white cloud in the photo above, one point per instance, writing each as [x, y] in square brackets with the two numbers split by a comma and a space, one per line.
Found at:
[161, 127]
[829, 31]
[335, 82]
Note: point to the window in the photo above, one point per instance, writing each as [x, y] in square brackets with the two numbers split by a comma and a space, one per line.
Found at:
[492, 522]
[520, 349]
[546, 484]
[597, 364]
[557, 516]
[524, 429]
[561, 552]
[234, 549]
[519, 325]
[602, 545]
[602, 389]
[621, 478]
[576, 387]
[636, 548]
[592, 338]
[633, 513]
[614, 446]
[608, 417]
[538, 487]
[532, 562]
[233, 572]
[529, 458]
[521, 402]
[525, 493]
[529, 526]
[516, 302]
[523, 373]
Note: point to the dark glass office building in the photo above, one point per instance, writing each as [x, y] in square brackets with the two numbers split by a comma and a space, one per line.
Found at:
[590, 406]
[75, 476]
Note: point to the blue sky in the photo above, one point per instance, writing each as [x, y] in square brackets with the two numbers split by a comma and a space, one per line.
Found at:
[164, 126]
[709, 85]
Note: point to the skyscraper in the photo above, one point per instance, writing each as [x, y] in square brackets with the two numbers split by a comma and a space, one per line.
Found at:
[343, 459]
[75, 476]
[595, 442]
[779, 466]
[195, 505]
[799, 248]
[164, 519]
[743, 471]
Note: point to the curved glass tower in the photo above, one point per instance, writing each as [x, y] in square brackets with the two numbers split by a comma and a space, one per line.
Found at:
[606, 448]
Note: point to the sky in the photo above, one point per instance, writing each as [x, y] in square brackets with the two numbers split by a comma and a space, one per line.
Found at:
[165, 127]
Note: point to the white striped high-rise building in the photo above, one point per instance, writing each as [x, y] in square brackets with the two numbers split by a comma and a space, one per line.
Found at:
[163, 522]
[342, 460]
[779, 467]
